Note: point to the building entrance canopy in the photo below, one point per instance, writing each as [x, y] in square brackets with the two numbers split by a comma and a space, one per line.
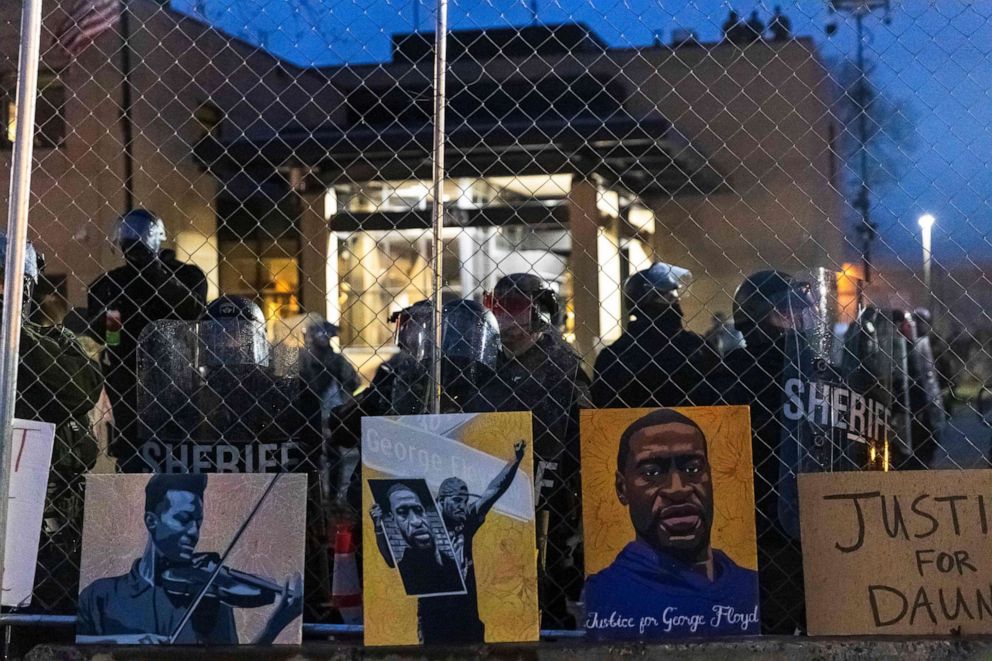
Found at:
[644, 156]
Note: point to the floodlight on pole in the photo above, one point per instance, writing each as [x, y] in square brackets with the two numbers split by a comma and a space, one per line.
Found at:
[860, 9]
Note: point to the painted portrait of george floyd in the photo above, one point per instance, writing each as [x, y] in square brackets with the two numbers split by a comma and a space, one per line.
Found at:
[449, 529]
[668, 513]
[411, 537]
[192, 559]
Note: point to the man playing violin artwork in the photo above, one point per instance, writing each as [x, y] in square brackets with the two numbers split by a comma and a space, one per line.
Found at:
[174, 595]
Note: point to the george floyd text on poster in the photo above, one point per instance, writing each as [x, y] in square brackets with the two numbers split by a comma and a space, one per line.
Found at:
[905, 552]
[192, 559]
[449, 529]
[668, 515]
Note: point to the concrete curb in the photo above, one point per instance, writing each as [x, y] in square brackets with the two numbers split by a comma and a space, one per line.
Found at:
[774, 649]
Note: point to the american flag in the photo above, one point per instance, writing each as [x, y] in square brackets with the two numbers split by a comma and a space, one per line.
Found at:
[87, 19]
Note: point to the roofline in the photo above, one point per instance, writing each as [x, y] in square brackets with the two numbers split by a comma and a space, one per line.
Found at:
[806, 41]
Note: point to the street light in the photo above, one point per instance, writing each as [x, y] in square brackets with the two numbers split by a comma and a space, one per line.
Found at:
[926, 222]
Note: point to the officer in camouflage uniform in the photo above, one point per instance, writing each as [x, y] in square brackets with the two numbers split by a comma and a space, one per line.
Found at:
[57, 383]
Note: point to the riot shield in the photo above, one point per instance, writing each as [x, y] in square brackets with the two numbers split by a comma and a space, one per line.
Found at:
[167, 377]
[927, 405]
[832, 419]
[209, 401]
[873, 365]
[918, 416]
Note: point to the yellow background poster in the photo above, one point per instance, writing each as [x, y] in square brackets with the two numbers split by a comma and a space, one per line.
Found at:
[606, 522]
[473, 447]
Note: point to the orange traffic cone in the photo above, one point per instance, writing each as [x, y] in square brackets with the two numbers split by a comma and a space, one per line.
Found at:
[346, 592]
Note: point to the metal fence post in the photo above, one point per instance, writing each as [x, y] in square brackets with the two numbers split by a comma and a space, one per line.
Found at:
[437, 203]
[17, 231]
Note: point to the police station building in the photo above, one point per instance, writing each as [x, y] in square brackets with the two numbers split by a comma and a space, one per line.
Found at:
[308, 189]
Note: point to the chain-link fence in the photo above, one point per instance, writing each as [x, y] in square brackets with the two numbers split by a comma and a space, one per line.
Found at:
[286, 154]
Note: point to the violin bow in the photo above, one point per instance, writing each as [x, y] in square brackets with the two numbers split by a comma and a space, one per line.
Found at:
[220, 563]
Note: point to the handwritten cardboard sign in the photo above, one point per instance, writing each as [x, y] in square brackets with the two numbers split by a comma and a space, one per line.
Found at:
[897, 553]
[30, 459]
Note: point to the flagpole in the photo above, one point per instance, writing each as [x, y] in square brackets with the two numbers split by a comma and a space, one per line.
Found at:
[127, 126]
[17, 234]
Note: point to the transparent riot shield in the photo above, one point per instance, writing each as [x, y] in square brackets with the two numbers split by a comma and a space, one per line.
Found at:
[813, 435]
[167, 378]
[210, 401]
[929, 417]
[873, 365]
[917, 412]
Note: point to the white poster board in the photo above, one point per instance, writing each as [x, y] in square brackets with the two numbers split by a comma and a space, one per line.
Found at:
[30, 460]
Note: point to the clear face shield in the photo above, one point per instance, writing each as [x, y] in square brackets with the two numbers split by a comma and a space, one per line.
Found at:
[808, 313]
[470, 346]
[470, 333]
[413, 331]
[414, 338]
[233, 342]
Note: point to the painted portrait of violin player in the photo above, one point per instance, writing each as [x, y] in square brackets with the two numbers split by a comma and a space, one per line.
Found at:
[214, 560]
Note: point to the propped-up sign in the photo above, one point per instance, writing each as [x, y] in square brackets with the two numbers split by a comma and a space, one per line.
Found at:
[897, 553]
[30, 459]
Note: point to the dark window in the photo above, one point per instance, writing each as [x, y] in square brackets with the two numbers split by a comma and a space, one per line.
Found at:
[49, 113]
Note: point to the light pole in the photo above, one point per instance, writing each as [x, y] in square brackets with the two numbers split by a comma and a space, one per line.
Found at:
[926, 222]
[867, 230]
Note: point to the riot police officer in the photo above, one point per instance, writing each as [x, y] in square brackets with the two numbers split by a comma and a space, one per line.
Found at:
[123, 301]
[56, 383]
[538, 371]
[402, 384]
[771, 310]
[926, 406]
[324, 370]
[333, 379]
[656, 362]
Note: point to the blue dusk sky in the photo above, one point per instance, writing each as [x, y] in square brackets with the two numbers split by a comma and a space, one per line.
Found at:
[933, 59]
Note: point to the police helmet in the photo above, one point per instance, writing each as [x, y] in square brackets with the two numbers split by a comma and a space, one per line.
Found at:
[469, 332]
[765, 292]
[140, 227]
[517, 292]
[33, 261]
[656, 287]
[412, 334]
[233, 307]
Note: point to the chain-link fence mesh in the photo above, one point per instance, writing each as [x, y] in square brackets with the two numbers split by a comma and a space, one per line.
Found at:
[284, 151]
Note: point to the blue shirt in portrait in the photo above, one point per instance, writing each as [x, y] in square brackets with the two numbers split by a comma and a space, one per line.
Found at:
[647, 594]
